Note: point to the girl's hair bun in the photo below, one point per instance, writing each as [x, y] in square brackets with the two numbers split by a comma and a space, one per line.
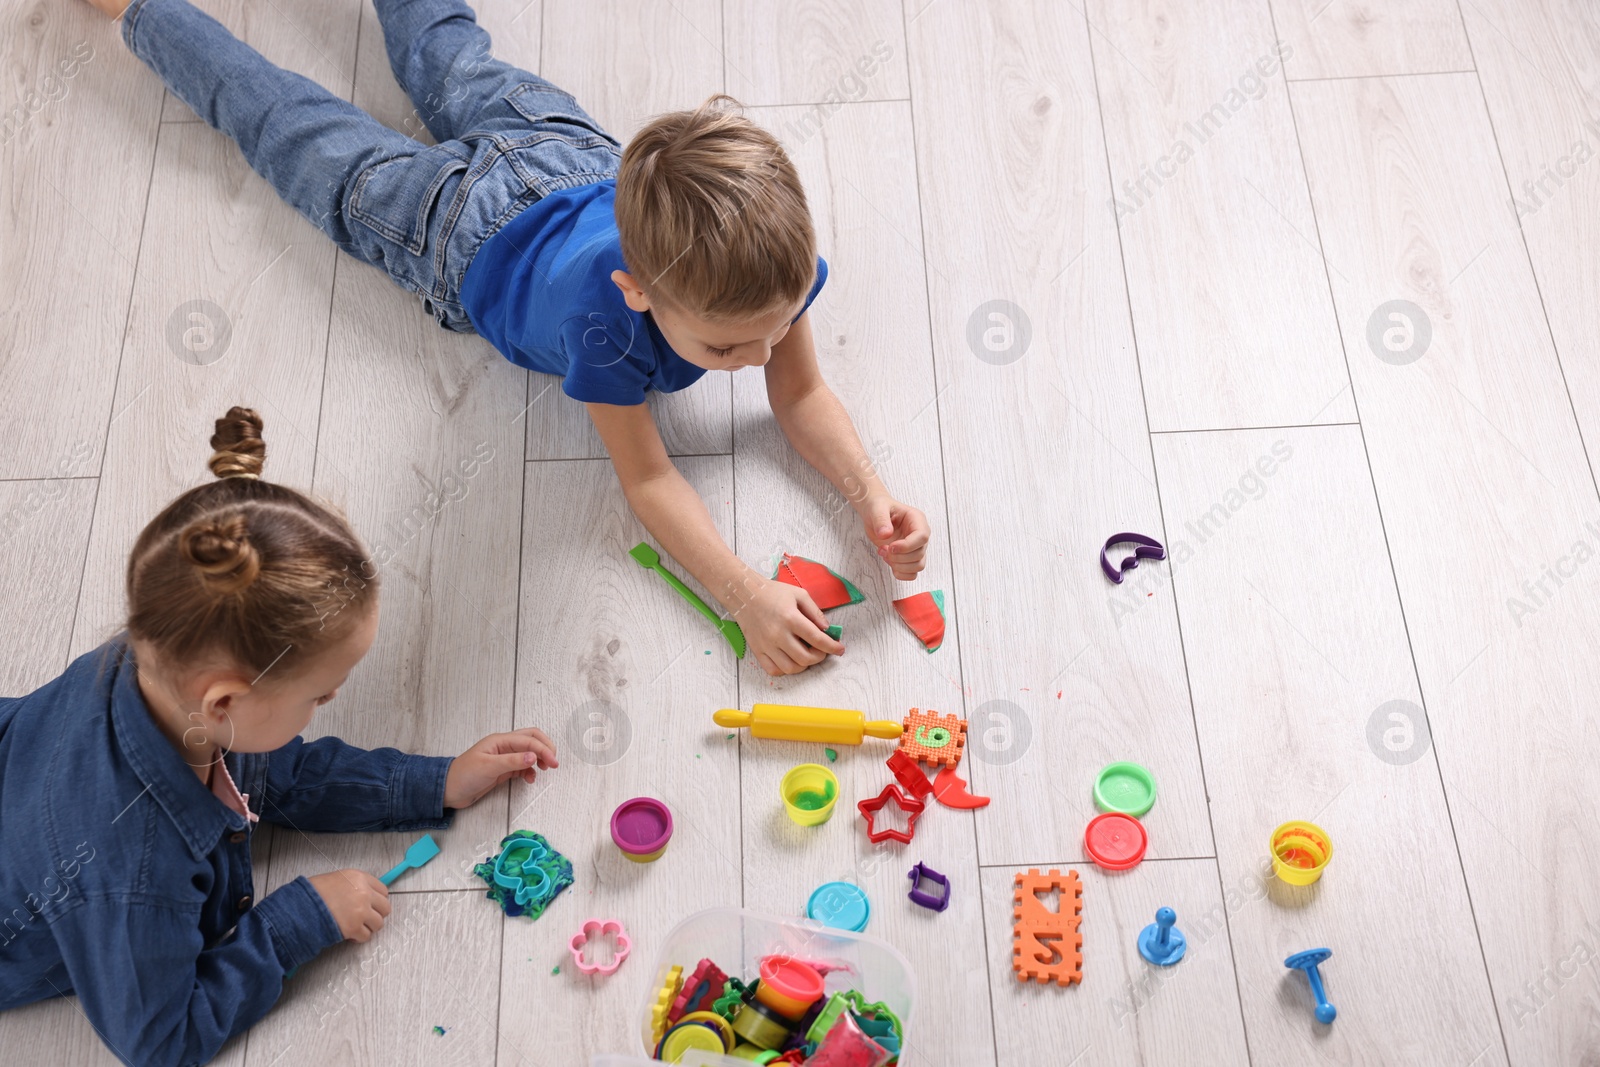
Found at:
[220, 549]
[253, 572]
[239, 449]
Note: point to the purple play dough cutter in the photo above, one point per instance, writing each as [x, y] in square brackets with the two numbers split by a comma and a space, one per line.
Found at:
[1149, 548]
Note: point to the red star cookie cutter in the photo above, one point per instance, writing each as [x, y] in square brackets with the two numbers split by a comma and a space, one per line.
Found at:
[912, 806]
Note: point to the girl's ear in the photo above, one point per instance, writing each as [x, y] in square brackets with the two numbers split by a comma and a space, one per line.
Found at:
[220, 693]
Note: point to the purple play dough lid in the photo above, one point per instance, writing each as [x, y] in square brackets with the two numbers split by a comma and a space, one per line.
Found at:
[641, 825]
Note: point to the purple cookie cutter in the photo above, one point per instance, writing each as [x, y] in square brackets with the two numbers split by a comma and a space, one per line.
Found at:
[923, 873]
[1149, 548]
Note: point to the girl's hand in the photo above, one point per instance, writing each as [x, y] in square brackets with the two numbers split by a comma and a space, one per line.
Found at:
[356, 899]
[900, 533]
[495, 759]
[783, 627]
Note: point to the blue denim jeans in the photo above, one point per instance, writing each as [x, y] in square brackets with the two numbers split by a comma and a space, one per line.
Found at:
[505, 137]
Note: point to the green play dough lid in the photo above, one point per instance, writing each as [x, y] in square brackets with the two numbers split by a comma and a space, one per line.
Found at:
[1127, 788]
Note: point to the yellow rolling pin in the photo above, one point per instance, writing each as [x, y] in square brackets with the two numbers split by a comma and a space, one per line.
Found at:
[792, 722]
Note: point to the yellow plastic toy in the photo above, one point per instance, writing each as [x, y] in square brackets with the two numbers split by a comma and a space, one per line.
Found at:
[809, 792]
[663, 1003]
[1300, 852]
[794, 722]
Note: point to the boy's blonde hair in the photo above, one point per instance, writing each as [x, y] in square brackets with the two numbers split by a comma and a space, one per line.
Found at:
[712, 215]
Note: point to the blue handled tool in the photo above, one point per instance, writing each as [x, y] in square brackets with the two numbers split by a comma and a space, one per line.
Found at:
[418, 854]
[1308, 961]
[1159, 942]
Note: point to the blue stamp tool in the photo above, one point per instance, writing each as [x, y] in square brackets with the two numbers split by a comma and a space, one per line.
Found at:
[1159, 942]
[1308, 961]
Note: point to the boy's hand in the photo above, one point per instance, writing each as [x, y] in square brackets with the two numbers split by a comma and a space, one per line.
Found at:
[900, 533]
[784, 628]
[356, 899]
[495, 759]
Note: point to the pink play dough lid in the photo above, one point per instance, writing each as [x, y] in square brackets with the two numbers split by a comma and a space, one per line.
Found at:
[641, 825]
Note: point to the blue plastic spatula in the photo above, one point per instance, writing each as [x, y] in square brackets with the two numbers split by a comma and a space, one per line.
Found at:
[418, 854]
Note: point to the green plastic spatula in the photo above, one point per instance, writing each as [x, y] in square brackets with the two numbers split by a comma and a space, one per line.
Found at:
[424, 850]
[650, 559]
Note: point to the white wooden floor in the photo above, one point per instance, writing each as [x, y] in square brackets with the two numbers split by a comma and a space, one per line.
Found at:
[1198, 247]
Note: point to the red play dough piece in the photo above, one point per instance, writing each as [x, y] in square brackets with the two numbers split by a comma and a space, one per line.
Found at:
[924, 613]
[950, 789]
[828, 589]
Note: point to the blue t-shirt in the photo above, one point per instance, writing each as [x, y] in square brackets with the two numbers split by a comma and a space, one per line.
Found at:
[540, 291]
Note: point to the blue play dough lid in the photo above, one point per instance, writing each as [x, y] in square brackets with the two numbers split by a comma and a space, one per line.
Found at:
[840, 905]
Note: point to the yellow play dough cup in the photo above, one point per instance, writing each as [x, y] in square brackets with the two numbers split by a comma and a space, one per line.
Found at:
[1300, 852]
[809, 793]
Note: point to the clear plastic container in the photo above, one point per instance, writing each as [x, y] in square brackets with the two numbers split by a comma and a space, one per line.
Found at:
[693, 1059]
[735, 940]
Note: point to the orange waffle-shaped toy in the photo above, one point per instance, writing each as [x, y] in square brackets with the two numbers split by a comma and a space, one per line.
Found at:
[1046, 945]
[937, 740]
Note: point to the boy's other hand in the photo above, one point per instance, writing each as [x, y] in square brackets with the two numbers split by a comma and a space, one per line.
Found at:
[356, 899]
[784, 628]
[495, 759]
[900, 533]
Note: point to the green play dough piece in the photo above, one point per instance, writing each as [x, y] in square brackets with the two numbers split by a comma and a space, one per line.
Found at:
[834, 632]
[811, 800]
[555, 865]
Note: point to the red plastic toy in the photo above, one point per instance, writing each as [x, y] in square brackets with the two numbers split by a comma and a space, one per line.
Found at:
[950, 789]
[908, 774]
[699, 993]
[1115, 841]
[912, 806]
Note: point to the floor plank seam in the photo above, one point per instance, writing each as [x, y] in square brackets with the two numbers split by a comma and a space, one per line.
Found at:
[1394, 577]
[1522, 236]
[607, 459]
[1248, 429]
[944, 490]
[1391, 74]
[1177, 613]
[61, 478]
[1083, 861]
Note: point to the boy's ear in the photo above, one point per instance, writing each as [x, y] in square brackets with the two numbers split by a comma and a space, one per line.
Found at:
[632, 292]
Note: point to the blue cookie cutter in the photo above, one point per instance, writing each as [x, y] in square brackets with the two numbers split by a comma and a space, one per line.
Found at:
[1149, 548]
[519, 880]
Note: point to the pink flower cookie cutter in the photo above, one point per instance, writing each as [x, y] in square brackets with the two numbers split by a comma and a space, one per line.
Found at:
[595, 928]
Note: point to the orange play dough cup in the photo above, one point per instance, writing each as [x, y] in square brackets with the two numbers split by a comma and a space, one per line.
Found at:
[1300, 852]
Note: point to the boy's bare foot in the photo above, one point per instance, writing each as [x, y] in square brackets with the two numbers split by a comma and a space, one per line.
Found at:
[111, 9]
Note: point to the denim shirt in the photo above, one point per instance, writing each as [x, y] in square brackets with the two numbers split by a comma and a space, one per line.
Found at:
[125, 880]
